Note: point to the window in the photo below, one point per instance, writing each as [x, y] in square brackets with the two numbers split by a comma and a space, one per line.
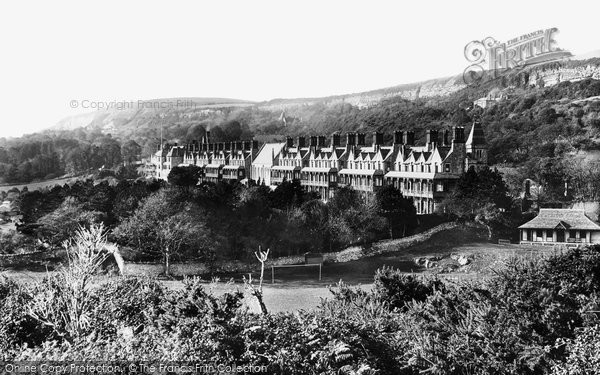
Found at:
[439, 186]
[478, 153]
[447, 167]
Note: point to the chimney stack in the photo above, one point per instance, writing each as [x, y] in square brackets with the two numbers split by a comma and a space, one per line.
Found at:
[321, 141]
[301, 142]
[350, 139]
[397, 137]
[254, 145]
[335, 140]
[446, 136]
[313, 141]
[377, 139]
[360, 139]
[459, 134]
[289, 141]
[432, 136]
[409, 138]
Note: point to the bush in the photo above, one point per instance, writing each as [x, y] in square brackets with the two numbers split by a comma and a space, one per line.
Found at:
[397, 288]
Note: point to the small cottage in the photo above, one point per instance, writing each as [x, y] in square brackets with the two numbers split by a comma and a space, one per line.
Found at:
[560, 226]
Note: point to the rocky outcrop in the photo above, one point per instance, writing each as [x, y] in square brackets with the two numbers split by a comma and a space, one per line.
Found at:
[552, 76]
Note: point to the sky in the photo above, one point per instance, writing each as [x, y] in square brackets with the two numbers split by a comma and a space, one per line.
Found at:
[54, 53]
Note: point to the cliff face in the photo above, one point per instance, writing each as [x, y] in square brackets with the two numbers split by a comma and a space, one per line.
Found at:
[545, 77]
[426, 89]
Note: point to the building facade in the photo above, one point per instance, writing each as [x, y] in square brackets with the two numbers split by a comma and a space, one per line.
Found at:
[554, 226]
[230, 161]
[425, 173]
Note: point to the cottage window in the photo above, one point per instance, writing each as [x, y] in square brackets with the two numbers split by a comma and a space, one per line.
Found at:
[447, 167]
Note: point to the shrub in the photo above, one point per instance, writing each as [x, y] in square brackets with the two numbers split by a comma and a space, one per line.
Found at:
[583, 353]
[397, 288]
[17, 328]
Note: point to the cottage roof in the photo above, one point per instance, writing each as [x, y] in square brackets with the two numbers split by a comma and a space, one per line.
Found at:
[551, 218]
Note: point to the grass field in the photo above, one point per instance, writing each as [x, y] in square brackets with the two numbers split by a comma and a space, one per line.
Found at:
[39, 184]
[299, 288]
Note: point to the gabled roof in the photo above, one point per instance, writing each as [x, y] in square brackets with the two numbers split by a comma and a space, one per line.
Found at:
[176, 151]
[551, 218]
[476, 135]
[267, 153]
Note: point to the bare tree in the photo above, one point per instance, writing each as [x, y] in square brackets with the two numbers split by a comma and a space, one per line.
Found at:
[258, 291]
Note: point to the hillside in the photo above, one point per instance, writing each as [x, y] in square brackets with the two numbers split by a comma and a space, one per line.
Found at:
[536, 114]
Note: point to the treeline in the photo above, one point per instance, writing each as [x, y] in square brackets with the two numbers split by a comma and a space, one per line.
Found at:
[223, 220]
[50, 155]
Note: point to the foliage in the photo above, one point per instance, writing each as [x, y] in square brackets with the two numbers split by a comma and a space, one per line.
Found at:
[400, 212]
[60, 224]
[583, 353]
[532, 318]
[185, 175]
[165, 226]
[482, 196]
[62, 302]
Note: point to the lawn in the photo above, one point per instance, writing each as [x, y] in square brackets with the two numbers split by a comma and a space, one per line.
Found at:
[40, 184]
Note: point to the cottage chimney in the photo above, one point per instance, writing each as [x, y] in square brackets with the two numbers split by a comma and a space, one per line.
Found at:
[247, 145]
[409, 138]
[301, 142]
[289, 142]
[207, 136]
[313, 141]
[254, 145]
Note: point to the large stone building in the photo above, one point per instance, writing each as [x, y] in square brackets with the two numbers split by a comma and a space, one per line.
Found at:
[229, 161]
[425, 173]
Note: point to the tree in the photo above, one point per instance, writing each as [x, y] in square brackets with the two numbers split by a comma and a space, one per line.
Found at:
[62, 223]
[163, 226]
[185, 176]
[481, 196]
[398, 210]
[131, 151]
